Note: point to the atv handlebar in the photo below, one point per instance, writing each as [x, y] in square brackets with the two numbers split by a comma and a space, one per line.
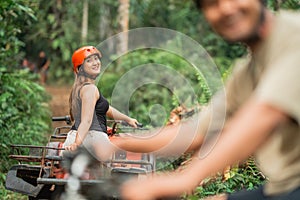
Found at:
[66, 118]
[124, 123]
[139, 125]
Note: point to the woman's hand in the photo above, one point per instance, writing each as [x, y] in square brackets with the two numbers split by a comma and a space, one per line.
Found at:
[72, 147]
[132, 122]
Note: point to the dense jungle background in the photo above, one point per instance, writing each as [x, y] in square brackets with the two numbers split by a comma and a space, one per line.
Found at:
[58, 27]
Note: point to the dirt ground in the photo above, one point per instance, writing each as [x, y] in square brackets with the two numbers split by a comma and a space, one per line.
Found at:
[59, 101]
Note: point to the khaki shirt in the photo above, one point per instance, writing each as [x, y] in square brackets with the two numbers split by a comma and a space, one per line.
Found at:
[272, 75]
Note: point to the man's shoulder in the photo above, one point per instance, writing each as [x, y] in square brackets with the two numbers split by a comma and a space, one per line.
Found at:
[241, 64]
[289, 18]
[284, 37]
[289, 13]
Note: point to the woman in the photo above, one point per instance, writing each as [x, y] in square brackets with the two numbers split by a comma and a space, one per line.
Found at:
[88, 107]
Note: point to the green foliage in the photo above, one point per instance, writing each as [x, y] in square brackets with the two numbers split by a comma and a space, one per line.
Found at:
[171, 163]
[287, 4]
[31, 26]
[290, 4]
[182, 16]
[58, 28]
[206, 93]
[146, 96]
[242, 177]
[14, 15]
[25, 116]
[57, 31]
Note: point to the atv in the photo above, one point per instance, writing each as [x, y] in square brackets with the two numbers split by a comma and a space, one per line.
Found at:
[43, 172]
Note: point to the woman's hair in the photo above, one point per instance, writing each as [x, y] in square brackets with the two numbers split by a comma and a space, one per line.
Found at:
[74, 95]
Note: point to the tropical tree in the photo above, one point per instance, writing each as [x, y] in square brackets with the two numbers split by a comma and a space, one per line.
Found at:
[14, 16]
[123, 19]
[84, 29]
[24, 116]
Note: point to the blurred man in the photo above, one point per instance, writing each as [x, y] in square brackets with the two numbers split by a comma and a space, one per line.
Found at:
[262, 108]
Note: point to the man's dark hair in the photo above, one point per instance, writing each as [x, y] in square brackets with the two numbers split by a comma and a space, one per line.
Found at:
[198, 3]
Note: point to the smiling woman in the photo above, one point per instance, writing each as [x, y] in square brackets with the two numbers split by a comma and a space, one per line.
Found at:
[88, 107]
[93, 65]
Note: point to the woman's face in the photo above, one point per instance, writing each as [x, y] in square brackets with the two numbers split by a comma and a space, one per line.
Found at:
[92, 65]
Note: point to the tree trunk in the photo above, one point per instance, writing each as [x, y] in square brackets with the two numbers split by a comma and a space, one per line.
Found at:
[277, 4]
[105, 29]
[123, 20]
[84, 28]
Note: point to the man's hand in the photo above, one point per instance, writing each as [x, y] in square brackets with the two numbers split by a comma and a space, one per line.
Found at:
[150, 188]
[137, 190]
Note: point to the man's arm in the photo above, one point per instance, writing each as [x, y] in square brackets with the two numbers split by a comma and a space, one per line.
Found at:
[186, 136]
[169, 139]
[243, 135]
[248, 129]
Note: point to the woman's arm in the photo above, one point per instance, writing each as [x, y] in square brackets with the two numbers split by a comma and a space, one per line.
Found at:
[117, 115]
[89, 95]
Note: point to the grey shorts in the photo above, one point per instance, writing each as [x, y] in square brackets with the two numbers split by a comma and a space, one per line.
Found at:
[95, 141]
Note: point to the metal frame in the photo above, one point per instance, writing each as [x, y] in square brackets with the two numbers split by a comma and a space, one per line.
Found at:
[37, 158]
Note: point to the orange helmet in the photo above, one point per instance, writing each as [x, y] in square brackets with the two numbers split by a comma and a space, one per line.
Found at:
[82, 53]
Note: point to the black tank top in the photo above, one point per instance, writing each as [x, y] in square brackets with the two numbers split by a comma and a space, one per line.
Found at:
[99, 118]
[101, 108]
